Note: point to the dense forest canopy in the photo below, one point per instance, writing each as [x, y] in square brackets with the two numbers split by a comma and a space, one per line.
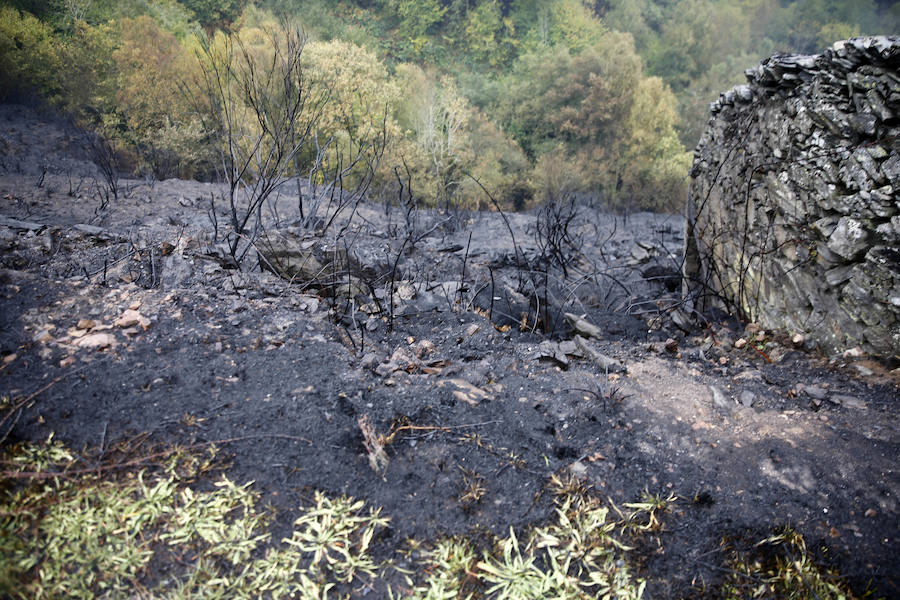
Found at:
[528, 98]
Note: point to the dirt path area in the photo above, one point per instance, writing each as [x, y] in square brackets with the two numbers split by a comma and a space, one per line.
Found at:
[125, 327]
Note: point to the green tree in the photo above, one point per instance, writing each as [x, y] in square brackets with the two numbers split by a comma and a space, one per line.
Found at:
[810, 25]
[29, 55]
[155, 118]
[579, 100]
[437, 150]
[446, 139]
[87, 72]
[416, 18]
[212, 14]
[361, 94]
[573, 25]
[696, 35]
[489, 37]
[655, 166]
[596, 112]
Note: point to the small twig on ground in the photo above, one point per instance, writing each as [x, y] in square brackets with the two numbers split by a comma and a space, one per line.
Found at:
[18, 406]
[462, 282]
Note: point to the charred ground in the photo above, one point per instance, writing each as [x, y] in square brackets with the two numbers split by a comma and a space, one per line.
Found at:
[126, 329]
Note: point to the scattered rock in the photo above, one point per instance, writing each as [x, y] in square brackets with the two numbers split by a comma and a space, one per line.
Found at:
[97, 341]
[642, 252]
[399, 361]
[20, 225]
[176, 269]
[814, 392]
[465, 391]
[683, 320]
[403, 291]
[740, 343]
[606, 363]
[864, 370]
[719, 399]
[321, 264]
[578, 469]
[368, 360]
[75, 333]
[582, 326]
[86, 324]
[423, 348]
[856, 352]
[132, 318]
[471, 330]
[747, 398]
[559, 352]
[847, 401]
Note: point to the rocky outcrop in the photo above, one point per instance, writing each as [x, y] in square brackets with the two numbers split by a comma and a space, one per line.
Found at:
[794, 208]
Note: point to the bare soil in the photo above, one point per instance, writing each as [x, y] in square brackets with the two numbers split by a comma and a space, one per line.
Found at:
[748, 438]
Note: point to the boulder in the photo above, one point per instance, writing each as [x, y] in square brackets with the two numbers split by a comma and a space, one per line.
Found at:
[793, 211]
[315, 263]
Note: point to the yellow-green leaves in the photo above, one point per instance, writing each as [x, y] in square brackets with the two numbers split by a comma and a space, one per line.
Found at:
[338, 534]
[85, 537]
[29, 54]
[490, 37]
[780, 566]
[416, 18]
[574, 25]
[361, 94]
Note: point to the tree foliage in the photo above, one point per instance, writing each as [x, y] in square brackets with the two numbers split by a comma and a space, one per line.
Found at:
[154, 114]
[416, 18]
[29, 55]
[597, 111]
[215, 13]
[506, 90]
[490, 37]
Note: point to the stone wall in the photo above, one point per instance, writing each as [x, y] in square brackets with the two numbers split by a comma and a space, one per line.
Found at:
[794, 206]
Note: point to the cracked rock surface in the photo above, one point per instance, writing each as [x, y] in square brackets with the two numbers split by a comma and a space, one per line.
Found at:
[794, 198]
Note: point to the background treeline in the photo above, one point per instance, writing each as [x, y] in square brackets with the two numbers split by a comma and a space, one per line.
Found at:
[534, 99]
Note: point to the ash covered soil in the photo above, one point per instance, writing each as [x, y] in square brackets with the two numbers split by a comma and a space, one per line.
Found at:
[127, 327]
